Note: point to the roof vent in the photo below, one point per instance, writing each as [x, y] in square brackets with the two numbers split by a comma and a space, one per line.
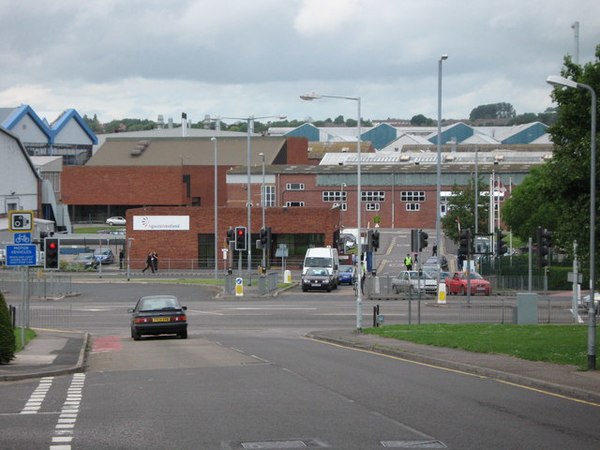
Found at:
[139, 148]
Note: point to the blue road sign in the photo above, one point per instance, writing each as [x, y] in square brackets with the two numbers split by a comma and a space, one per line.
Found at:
[21, 255]
[22, 238]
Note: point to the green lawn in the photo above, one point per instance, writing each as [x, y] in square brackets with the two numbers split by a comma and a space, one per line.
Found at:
[29, 335]
[561, 344]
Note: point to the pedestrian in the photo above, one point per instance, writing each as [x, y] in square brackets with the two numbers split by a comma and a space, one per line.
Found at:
[121, 258]
[149, 263]
[408, 262]
[155, 262]
[434, 250]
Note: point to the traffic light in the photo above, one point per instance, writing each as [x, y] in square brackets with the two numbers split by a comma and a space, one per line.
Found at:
[544, 242]
[264, 238]
[230, 235]
[464, 242]
[269, 237]
[375, 240]
[414, 241]
[501, 248]
[423, 240]
[51, 251]
[240, 239]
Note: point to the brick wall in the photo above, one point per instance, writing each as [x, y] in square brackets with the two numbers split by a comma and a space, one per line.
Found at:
[183, 245]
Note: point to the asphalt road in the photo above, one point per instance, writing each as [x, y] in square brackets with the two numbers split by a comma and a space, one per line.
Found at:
[248, 378]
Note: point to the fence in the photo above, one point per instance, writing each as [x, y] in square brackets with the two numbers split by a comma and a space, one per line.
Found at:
[424, 307]
[40, 284]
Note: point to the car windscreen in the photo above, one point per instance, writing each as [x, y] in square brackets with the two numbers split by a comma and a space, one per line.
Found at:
[314, 261]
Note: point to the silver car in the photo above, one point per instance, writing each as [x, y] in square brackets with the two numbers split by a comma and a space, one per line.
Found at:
[116, 220]
[413, 281]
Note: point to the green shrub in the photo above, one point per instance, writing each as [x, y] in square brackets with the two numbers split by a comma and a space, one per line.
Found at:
[7, 337]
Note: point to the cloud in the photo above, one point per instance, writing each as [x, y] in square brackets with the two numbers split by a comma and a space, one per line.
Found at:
[144, 58]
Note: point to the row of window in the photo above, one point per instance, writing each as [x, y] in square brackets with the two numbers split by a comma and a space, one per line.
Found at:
[368, 206]
[366, 196]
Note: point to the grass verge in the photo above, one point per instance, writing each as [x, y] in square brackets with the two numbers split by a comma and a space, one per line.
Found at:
[560, 344]
[29, 335]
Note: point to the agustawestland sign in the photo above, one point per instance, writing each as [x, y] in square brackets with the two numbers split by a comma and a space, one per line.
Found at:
[161, 223]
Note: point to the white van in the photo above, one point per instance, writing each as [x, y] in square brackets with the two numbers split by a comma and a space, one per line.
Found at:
[322, 257]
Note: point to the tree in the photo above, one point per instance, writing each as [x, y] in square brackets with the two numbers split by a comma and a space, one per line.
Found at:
[461, 210]
[339, 120]
[557, 196]
[493, 111]
[420, 120]
[7, 335]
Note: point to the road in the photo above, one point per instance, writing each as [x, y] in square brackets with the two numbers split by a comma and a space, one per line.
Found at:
[248, 378]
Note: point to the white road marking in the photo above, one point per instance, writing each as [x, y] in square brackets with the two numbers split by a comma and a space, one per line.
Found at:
[36, 399]
[63, 431]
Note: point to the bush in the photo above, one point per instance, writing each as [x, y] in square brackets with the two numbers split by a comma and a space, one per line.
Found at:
[7, 336]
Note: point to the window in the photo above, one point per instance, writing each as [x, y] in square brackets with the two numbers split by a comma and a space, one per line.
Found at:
[344, 206]
[372, 196]
[293, 204]
[412, 196]
[294, 186]
[334, 196]
[372, 206]
[268, 196]
[413, 207]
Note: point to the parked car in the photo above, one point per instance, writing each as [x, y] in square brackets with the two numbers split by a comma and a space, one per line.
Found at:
[457, 284]
[318, 278]
[158, 314]
[432, 262]
[346, 274]
[116, 220]
[413, 281]
[104, 255]
[87, 260]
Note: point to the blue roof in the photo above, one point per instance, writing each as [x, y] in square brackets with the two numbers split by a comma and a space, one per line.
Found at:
[25, 110]
[526, 134]
[380, 136]
[51, 131]
[306, 130]
[64, 119]
[458, 131]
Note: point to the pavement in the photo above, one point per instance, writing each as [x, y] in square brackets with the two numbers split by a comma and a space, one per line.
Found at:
[57, 352]
[51, 353]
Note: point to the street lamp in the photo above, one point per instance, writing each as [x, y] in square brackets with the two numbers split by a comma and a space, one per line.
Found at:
[565, 82]
[262, 204]
[216, 211]
[313, 96]
[250, 127]
[438, 238]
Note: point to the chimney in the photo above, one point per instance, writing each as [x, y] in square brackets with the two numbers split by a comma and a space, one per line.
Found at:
[183, 124]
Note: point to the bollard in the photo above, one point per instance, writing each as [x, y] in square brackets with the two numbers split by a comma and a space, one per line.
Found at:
[375, 316]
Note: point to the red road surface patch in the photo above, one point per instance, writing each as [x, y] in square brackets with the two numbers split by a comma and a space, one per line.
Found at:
[106, 344]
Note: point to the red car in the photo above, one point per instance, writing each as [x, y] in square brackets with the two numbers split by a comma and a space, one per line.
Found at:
[457, 284]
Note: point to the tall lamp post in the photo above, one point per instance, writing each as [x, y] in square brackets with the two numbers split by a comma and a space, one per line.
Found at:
[262, 204]
[438, 232]
[250, 128]
[216, 211]
[565, 82]
[314, 96]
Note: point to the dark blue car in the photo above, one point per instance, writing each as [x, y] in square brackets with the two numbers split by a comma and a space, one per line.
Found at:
[346, 274]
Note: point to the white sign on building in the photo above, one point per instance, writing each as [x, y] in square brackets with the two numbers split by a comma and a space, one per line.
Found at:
[161, 223]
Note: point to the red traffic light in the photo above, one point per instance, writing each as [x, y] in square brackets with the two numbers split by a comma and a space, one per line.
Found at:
[52, 245]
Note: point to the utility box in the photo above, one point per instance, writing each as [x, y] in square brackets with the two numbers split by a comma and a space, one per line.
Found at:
[527, 310]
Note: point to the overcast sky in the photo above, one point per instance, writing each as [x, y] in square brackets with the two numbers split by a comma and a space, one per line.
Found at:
[241, 58]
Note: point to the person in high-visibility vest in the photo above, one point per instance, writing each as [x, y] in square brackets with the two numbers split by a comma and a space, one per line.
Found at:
[408, 262]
